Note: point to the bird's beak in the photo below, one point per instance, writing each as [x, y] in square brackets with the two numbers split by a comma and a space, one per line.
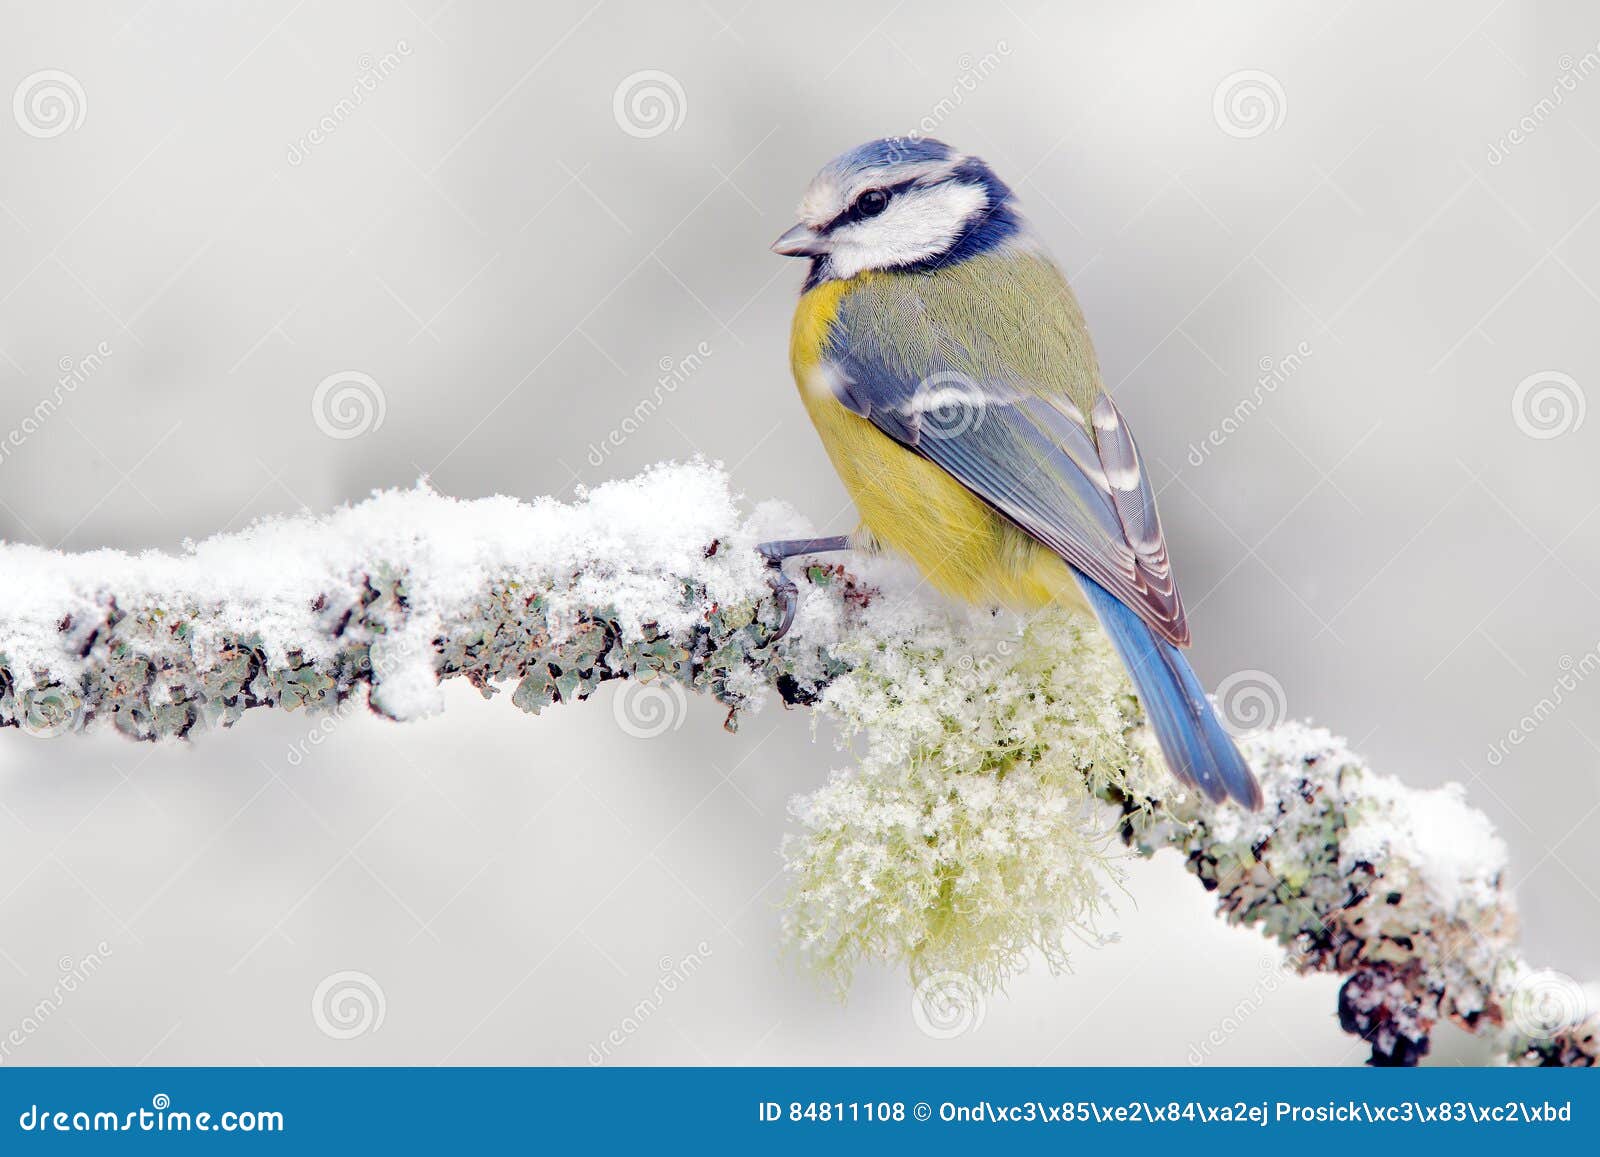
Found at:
[801, 241]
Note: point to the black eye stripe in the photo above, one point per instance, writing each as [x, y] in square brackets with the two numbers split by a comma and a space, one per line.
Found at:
[853, 212]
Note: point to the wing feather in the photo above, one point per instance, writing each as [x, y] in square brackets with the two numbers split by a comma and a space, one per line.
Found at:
[955, 372]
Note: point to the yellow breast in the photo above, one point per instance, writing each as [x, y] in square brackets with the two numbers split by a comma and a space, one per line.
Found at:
[909, 504]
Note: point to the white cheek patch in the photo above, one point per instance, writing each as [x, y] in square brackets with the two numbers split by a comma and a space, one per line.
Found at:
[917, 225]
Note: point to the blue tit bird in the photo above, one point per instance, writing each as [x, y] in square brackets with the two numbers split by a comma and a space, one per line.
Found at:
[948, 369]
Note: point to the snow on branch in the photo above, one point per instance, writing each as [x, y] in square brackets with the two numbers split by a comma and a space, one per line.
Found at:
[1002, 770]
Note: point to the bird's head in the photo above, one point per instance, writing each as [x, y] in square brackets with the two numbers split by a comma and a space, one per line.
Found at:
[900, 203]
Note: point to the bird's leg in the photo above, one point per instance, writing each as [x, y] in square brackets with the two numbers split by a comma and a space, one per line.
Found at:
[783, 587]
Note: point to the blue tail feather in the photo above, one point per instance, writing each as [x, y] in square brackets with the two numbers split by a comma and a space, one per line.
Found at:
[1197, 747]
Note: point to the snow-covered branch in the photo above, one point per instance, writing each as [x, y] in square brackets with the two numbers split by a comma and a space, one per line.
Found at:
[1002, 768]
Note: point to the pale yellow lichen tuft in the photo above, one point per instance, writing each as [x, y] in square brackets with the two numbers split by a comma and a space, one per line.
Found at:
[970, 830]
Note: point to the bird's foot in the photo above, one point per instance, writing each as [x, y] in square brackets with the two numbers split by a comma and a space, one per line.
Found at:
[783, 587]
[784, 592]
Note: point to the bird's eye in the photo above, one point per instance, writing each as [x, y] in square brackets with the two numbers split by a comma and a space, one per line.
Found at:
[872, 202]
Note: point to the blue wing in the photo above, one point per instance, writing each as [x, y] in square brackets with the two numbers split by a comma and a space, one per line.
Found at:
[997, 399]
[1198, 749]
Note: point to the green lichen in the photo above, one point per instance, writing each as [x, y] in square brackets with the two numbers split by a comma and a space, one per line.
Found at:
[971, 831]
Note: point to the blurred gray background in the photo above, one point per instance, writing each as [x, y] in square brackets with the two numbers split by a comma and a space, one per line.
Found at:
[201, 222]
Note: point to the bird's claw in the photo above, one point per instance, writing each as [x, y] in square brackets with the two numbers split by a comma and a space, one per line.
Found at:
[783, 588]
[784, 591]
